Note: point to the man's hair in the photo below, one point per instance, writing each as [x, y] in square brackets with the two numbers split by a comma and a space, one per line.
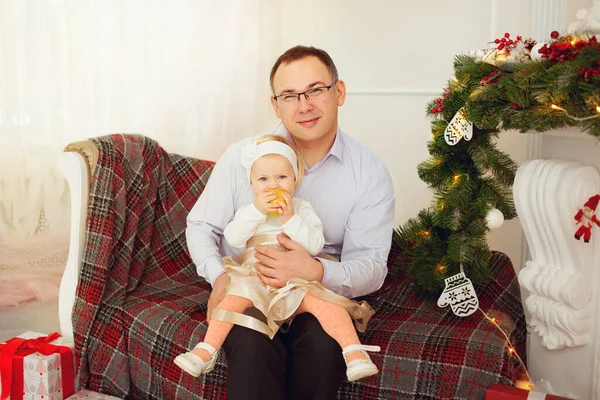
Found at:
[300, 52]
[299, 158]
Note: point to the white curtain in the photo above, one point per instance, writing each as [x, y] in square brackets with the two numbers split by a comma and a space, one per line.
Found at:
[192, 74]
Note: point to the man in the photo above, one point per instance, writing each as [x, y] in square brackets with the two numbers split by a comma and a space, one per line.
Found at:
[351, 191]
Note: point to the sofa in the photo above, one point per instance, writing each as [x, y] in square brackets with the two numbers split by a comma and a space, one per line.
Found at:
[132, 300]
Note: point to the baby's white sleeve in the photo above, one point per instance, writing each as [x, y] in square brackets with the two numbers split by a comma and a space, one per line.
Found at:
[305, 227]
[244, 224]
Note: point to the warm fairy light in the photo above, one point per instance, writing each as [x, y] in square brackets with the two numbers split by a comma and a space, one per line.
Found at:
[555, 107]
[524, 384]
[573, 43]
[424, 233]
[511, 350]
[456, 178]
[441, 268]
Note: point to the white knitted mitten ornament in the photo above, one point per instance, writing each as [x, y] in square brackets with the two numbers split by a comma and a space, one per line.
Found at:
[460, 294]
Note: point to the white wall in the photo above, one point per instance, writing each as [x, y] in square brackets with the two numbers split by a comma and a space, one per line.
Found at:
[395, 56]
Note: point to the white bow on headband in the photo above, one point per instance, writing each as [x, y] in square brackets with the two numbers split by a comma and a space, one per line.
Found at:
[253, 151]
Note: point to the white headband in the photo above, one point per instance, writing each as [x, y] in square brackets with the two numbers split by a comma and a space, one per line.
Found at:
[252, 152]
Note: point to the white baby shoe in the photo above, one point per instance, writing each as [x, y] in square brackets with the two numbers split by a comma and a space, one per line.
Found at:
[194, 365]
[361, 368]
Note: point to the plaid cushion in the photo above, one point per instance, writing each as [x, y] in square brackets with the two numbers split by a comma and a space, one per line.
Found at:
[430, 353]
[140, 301]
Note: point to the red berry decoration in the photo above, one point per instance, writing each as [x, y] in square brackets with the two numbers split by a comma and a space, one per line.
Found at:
[515, 106]
[506, 43]
[561, 51]
[590, 72]
[492, 77]
[554, 34]
[439, 106]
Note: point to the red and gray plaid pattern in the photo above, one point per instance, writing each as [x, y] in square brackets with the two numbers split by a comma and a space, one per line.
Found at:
[140, 301]
[429, 353]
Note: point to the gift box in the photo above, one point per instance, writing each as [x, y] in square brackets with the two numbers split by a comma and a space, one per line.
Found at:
[34, 366]
[501, 392]
[88, 394]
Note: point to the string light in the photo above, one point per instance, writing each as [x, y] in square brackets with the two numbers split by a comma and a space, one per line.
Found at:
[456, 178]
[527, 385]
[559, 108]
[441, 268]
[510, 348]
[424, 233]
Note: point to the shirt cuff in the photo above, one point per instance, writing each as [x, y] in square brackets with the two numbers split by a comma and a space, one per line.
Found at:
[333, 275]
[214, 269]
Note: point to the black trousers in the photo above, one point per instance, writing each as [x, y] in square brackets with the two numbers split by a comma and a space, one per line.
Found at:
[304, 363]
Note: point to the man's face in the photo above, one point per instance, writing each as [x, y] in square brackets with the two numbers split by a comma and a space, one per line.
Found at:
[314, 119]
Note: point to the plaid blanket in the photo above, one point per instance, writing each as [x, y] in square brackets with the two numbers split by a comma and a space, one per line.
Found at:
[140, 302]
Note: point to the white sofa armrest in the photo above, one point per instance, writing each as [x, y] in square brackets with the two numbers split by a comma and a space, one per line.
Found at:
[75, 169]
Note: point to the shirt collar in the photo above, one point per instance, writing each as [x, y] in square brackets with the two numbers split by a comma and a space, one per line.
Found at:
[336, 150]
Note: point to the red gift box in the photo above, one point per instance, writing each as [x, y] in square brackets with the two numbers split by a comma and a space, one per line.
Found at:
[32, 361]
[501, 392]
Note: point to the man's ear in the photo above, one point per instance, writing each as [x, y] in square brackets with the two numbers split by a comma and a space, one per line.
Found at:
[341, 92]
[275, 107]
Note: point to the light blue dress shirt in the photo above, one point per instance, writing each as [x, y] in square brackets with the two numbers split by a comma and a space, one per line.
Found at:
[350, 189]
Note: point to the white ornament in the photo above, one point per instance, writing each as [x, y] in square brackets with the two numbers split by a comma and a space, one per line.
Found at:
[535, 51]
[494, 218]
[458, 128]
[460, 294]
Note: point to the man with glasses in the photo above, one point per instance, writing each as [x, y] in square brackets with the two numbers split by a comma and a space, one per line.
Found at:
[351, 191]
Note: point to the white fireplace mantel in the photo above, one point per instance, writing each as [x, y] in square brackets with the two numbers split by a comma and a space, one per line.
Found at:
[560, 282]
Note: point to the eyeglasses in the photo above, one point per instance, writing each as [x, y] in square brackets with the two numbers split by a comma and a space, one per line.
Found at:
[314, 94]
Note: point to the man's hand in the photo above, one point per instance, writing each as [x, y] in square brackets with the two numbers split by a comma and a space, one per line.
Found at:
[276, 267]
[217, 294]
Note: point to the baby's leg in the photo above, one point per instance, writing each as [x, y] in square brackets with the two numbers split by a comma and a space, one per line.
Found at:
[335, 322]
[218, 330]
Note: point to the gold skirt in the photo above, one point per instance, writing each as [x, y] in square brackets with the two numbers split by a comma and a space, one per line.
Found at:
[276, 305]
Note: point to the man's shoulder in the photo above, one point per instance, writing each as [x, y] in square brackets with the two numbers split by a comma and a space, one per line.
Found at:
[233, 152]
[237, 145]
[360, 154]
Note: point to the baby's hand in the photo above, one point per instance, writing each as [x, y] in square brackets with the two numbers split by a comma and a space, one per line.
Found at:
[262, 202]
[286, 209]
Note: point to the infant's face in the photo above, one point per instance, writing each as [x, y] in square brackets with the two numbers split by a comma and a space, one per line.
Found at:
[271, 172]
